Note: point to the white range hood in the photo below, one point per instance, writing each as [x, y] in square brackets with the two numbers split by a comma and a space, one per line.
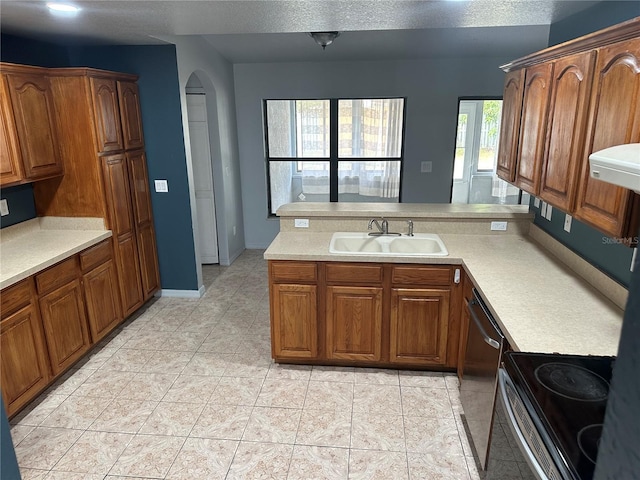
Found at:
[619, 165]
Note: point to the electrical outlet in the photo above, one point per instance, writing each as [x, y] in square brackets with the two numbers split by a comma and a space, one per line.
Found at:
[543, 210]
[301, 223]
[4, 207]
[567, 222]
[499, 226]
[162, 186]
[426, 167]
[536, 202]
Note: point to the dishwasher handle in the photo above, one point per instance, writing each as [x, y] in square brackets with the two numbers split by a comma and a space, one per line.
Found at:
[488, 340]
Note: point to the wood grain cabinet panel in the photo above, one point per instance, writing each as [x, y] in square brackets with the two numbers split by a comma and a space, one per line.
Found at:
[34, 116]
[354, 323]
[65, 325]
[11, 171]
[107, 115]
[510, 125]
[614, 119]
[533, 126]
[129, 100]
[102, 299]
[570, 90]
[294, 321]
[419, 323]
[23, 358]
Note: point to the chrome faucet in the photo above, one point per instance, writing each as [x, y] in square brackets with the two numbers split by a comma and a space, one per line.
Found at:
[410, 232]
[383, 229]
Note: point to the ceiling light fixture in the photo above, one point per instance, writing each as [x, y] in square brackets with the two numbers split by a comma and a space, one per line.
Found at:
[324, 38]
[62, 7]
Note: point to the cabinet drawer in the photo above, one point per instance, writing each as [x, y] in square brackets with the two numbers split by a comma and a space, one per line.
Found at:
[354, 273]
[57, 275]
[15, 297]
[95, 255]
[421, 275]
[294, 271]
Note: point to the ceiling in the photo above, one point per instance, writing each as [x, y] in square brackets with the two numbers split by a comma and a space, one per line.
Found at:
[275, 30]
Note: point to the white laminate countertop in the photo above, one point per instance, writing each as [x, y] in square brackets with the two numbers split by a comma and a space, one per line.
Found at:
[32, 246]
[539, 303]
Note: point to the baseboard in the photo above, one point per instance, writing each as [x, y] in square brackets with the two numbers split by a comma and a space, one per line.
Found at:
[182, 293]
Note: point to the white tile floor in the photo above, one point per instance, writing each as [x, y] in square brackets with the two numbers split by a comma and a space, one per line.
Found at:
[187, 390]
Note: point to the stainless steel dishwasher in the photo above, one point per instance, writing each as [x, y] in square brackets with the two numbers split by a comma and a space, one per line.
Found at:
[485, 344]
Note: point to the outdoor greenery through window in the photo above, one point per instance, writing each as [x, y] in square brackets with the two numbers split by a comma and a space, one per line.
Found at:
[474, 168]
[346, 150]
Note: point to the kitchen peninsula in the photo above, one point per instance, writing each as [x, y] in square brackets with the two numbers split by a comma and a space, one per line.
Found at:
[544, 297]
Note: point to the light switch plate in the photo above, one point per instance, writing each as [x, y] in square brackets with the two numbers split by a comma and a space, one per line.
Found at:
[4, 207]
[301, 223]
[426, 167]
[549, 212]
[162, 186]
[543, 210]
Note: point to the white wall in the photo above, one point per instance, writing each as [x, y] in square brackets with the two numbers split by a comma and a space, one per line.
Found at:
[432, 88]
[216, 75]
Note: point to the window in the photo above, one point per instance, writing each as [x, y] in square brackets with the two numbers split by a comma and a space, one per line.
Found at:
[474, 167]
[345, 150]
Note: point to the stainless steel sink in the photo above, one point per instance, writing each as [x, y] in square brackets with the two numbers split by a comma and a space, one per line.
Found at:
[357, 243]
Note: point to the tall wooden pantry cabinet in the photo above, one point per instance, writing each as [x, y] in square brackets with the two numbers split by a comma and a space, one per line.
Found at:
[98, 114]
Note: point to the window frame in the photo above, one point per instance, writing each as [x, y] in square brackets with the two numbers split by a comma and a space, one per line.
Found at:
[334, 159]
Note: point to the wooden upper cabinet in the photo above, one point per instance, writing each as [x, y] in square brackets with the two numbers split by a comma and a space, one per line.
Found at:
[533, 126]
[354, 323]
[614, 119]
[510, 125]
[107, 114]
[35, 125]
[570, 90]
[10, 161]
[118, 194]
[129, 99]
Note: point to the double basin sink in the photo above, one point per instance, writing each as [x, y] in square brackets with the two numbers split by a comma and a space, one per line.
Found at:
[419, 244]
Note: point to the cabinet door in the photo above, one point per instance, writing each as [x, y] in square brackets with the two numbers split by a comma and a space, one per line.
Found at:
[107, 115]
[65, 325]
[419, 324]
[354, 323]
[533, 127]
[294, 321]
[34, 116]
[103, 300]
[510, 124]
[143, 218]
[10, 161]
[129, 100]
[614, 119]
[118, 195]
[23, 355]
[570, 89]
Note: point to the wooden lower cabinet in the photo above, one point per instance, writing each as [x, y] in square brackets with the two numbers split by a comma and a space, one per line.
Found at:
[65, 325]
[102, 299]
[294, 321]
[369, 314]
[419, 324]
[354, 323]
[23, 357]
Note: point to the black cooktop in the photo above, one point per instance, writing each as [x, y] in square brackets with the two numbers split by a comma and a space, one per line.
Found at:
[569, 395]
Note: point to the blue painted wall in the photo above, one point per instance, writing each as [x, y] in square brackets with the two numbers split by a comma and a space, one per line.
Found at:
[8, 462]
[164, 141]
[605, 253]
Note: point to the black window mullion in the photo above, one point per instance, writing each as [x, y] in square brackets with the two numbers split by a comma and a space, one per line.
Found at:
[333, 150]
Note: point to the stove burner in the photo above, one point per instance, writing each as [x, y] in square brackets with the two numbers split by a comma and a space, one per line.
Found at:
[572, 381]
[589, 440]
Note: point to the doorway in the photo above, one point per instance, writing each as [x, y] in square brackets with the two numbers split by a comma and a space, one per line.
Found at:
[207, 240]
